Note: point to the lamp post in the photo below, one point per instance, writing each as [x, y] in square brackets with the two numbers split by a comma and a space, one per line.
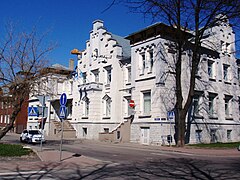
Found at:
[42, 121]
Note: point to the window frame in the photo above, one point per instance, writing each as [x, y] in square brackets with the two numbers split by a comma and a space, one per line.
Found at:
[108, 70]
[226, 72]
[147, 101]
[142, 62]
[211, 104]
[129, 74]
[108, 107]
[210, 69]
[229, 135]
[84, 77]
[151, 60]
[96, 75]
[196, 104]
[227, 105]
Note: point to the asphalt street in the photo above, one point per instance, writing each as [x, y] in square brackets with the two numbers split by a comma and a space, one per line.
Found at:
[129, 161]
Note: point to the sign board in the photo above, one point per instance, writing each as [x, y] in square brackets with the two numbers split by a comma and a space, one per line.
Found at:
[63, 99]
[62, 112]
[132, 103]
[32, 111]
[170, 115]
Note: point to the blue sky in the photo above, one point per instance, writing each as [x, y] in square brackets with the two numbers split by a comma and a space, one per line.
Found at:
[70, 21]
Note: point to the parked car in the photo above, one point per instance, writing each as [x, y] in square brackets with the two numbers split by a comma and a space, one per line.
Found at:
[32, 136]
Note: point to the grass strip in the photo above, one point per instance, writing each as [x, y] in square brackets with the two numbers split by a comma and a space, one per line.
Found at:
[10, 150]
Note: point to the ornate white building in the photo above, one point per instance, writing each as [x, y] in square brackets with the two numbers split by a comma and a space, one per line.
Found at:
[99, 104]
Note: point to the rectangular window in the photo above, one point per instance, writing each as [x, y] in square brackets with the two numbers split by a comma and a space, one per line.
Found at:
[210, 69]
[225, 73]
[84, 77]
[106, 130]
[129, 75]
[227, 101]
[108, 107]
[195, 104]
[222, 45]
[227, 48]
[118, 134]
[150, 61]
[5, 119]
[142, 63]
[96, 75]
[211, 99]
[146, 103]
[86, 113]
[229, 132]
[213, 136]
[227, 107]
[84, 131]
[198, 134]
[108, 74]
[210, 106]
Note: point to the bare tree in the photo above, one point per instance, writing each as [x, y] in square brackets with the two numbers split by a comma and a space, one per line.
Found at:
[195, 17]
[22, 56]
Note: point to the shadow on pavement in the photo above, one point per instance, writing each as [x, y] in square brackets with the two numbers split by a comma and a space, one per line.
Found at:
[175, 168]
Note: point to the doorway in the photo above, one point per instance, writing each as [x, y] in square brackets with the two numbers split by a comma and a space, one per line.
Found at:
[145, 135]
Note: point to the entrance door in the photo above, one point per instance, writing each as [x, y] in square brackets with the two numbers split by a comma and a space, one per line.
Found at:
[145, 135]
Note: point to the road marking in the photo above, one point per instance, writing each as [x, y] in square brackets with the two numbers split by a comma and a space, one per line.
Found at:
[22, 173]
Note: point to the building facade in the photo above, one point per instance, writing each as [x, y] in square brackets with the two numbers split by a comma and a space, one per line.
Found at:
[101, 74]
[44, 105]
[6, 109]
[214, 115]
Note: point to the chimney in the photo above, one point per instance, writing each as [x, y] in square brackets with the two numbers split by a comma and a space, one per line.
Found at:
[71, 64]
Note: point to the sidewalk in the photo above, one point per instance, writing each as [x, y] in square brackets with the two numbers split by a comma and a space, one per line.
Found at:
[51, 156]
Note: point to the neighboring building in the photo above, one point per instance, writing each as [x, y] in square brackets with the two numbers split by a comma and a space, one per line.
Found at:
[44, 105]
[6, 109]
[99, 102]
